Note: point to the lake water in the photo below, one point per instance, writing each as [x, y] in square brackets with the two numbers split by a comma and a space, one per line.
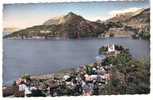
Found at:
[47, 56]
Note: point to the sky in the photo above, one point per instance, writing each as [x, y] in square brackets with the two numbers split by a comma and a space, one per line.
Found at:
[30, 14]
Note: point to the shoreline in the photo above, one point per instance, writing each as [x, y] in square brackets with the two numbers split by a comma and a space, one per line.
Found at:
[44, 76]
[86, 38]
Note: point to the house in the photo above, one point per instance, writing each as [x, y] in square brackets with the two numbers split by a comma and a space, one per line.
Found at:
[112, 51]
[45, 31]
[99, 59]
[111, 48]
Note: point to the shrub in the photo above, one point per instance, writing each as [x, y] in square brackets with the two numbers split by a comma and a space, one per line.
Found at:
[26, 76]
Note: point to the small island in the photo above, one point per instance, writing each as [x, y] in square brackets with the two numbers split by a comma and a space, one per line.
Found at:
[115, 72]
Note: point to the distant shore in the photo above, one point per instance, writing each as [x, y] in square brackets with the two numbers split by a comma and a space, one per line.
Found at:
[69, 38]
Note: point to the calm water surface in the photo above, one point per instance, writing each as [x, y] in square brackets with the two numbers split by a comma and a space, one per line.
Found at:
[47, 56]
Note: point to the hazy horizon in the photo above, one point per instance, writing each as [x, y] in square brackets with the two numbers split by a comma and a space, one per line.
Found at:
[30, 14]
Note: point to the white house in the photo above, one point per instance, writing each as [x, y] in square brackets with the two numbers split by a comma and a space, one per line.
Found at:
[111, 48]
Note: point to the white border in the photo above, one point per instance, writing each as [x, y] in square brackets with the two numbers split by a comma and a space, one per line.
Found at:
[43, 1]
[118, 97]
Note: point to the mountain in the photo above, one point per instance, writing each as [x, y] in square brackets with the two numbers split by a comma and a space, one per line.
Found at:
[68, 26]
[137, 22]
[54, 21]
[71, 25]
[9, 29]
[62, 19]
[75, 26]
[135, 19]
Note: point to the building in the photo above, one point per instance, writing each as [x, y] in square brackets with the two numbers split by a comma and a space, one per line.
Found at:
[111, 48]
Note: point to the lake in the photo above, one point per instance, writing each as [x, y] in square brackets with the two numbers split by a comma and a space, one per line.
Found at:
[47, 56]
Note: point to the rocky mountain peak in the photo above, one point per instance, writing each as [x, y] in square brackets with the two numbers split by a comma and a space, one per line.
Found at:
[71, 14]
[63, 19]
